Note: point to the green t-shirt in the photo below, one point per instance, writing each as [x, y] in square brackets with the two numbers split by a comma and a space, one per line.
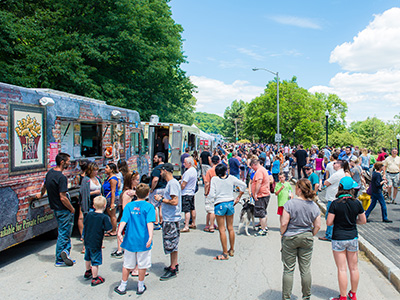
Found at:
[314, 180]
[229, 155]
[283, 196]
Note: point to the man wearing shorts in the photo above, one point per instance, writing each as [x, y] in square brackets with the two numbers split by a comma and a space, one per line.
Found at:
[261, 194]
[157, 186]
[209, 203]
[188, 185]
[391, 169]
[171, 205]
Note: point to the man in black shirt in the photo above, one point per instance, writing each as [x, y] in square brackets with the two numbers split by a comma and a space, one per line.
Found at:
[157, 186]
[301, 157]
[56, 185]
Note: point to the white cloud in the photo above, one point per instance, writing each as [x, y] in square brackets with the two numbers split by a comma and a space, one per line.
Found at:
[296, 21]
[371, 87]
[374, 48]
[251, 53]
[214, 96]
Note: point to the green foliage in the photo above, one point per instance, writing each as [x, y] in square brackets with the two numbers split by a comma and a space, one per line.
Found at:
[299, 110]
[233, 120]
[209, 123]
[343, 138]
[127, 52]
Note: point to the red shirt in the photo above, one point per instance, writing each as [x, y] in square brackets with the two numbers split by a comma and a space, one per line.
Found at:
[261, 175]
[382, 156]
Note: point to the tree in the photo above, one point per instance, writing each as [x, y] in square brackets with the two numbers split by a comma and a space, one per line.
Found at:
[337, 109]
[126, 52]
[298, 109]
[209, 123]
[233, 120]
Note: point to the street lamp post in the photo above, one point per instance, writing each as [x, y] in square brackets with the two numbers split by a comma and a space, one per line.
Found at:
[277, 101]
[326, 126]
[294, 137]
[391, 145]
[398, 141]
[236, 130]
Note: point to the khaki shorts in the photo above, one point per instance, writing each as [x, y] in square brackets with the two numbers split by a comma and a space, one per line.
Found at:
[209, 205]
[141, 259]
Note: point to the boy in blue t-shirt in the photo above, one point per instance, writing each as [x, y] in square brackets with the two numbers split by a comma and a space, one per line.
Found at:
[95, 224]
[137, 219]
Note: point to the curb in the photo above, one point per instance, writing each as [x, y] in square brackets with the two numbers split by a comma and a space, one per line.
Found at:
[391, 272]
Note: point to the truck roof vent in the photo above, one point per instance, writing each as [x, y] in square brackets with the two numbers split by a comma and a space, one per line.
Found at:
[154, 119]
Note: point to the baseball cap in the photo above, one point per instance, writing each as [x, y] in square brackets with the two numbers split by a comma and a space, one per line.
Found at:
[167, 167]
[308, 166]
[348, 183]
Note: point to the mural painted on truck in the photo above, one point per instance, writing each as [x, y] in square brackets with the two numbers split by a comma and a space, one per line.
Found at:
[84, 128]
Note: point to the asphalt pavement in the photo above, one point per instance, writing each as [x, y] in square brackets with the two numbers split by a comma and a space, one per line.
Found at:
[255, 272]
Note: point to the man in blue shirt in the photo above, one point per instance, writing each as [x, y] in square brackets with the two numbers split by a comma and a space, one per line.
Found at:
[234, 165]
[276, 168]
[309, 169]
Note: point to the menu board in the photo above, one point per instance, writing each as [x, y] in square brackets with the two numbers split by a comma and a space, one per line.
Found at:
[67, 138]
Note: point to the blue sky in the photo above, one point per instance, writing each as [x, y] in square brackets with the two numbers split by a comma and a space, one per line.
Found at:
[350, 48]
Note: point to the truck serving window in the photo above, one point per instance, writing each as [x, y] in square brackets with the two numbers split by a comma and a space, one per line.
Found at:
[91, 140]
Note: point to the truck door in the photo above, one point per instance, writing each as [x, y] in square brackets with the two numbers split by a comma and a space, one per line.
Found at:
[176, 149]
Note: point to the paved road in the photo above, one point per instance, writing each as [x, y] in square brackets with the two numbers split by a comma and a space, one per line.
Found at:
[255, 272]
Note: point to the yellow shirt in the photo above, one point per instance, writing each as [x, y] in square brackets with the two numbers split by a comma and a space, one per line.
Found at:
[392, 164]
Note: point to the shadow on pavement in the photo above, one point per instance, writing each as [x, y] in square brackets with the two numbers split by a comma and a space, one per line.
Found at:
[208, 252]
[273, 295]
[323, 292]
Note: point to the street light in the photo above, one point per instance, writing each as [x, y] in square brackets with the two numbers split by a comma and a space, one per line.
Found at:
[236, 130]
[278, 135]
[398, 141]
[294, 137]
[326, 126]
[391, 145]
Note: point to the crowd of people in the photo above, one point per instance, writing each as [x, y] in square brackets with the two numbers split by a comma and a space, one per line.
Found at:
[121, 206]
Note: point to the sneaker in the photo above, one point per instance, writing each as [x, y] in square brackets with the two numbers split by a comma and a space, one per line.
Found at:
[169, 268]
[117, 254]
[157, 227]
[88, 274]
[338, 298]
[261, 233]
[97, 280]
[351, 295]
[144, 289]
[66, 259]
[168, 275]
[118, 291]
[60, 264]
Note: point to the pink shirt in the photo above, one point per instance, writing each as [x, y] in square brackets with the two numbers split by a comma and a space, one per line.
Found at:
[318, 164]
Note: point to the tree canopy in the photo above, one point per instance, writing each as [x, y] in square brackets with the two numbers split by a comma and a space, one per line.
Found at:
[209, 123]
[126, 52]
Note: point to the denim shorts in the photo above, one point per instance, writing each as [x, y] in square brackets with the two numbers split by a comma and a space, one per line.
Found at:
[94, 256]
[341, 245]
[224, 209]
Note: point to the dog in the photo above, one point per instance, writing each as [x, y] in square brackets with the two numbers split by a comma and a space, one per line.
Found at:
[246, 215]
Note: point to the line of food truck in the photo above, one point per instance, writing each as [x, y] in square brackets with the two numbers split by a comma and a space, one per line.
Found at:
[37, 124]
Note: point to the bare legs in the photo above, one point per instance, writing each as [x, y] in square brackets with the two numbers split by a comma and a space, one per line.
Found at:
[222, 232]
[352, 261]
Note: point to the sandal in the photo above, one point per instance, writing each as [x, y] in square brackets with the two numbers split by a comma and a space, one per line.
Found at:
[192, 226]
[222, 256]
[211, 230]
[231, 252]
[109, 234]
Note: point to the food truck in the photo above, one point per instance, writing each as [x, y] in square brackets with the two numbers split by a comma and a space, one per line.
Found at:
[37, 124]
[170, 138]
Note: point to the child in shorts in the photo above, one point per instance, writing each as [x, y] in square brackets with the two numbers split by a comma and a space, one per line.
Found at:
[137, 218]
[95, 224]
[283, 191]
